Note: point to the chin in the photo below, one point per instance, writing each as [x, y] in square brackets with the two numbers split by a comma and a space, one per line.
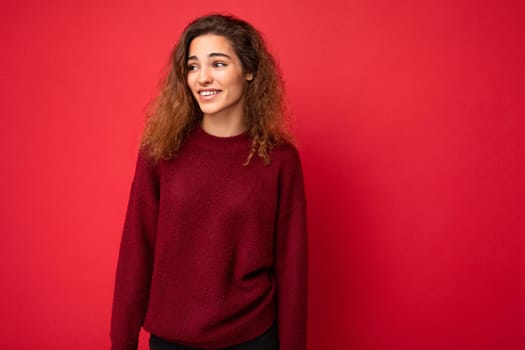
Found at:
[209, 111]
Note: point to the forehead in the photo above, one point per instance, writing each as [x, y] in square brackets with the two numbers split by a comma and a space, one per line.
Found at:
[203, 45]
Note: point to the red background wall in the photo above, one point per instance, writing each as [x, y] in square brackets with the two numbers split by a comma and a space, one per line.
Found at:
[409, 117]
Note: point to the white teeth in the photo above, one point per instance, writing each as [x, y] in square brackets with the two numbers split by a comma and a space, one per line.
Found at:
[208, 93]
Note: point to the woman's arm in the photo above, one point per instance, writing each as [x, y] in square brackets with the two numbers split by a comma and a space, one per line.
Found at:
[135, 261]
[291, 257]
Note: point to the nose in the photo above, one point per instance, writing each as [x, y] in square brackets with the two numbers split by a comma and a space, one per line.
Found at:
[205, 77]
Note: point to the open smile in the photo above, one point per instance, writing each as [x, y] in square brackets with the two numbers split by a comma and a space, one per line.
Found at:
[208, 94]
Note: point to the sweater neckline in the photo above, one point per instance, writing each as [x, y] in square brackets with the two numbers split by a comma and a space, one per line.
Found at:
[222, 144]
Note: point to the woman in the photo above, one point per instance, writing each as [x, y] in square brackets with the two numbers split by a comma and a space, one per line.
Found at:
[214, 247]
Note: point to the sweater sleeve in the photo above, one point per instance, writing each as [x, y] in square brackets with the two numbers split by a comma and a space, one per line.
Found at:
[291, 257]
[133, 275]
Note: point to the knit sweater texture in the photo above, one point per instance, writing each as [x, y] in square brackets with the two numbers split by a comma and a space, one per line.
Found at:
[212, 252]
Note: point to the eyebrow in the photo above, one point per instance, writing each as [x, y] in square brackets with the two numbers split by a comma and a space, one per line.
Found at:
[213, 54]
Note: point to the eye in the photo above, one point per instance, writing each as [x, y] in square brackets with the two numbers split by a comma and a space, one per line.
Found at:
[192, 67]
[219, 64]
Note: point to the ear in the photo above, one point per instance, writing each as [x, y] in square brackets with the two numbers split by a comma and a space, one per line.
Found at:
[249, 76]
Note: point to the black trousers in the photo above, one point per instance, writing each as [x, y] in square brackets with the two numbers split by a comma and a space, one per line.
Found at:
[269, 340]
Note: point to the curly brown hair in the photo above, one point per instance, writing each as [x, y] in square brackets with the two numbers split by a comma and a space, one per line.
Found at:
[174, 113]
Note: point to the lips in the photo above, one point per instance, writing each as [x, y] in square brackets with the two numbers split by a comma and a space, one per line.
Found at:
[208, 94]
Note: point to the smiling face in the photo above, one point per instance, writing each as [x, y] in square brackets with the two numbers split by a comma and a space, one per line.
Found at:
[216, 78]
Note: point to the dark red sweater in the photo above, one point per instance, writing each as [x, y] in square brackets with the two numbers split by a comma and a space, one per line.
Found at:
[212, 252]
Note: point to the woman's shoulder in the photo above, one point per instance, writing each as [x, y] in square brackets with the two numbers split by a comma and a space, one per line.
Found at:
[286, 153]
[146, 161]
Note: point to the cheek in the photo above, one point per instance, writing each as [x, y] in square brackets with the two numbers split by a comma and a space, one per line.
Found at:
[236, 83]
[191, 80]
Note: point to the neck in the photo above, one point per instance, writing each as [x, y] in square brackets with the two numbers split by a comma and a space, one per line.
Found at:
[221, 127]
